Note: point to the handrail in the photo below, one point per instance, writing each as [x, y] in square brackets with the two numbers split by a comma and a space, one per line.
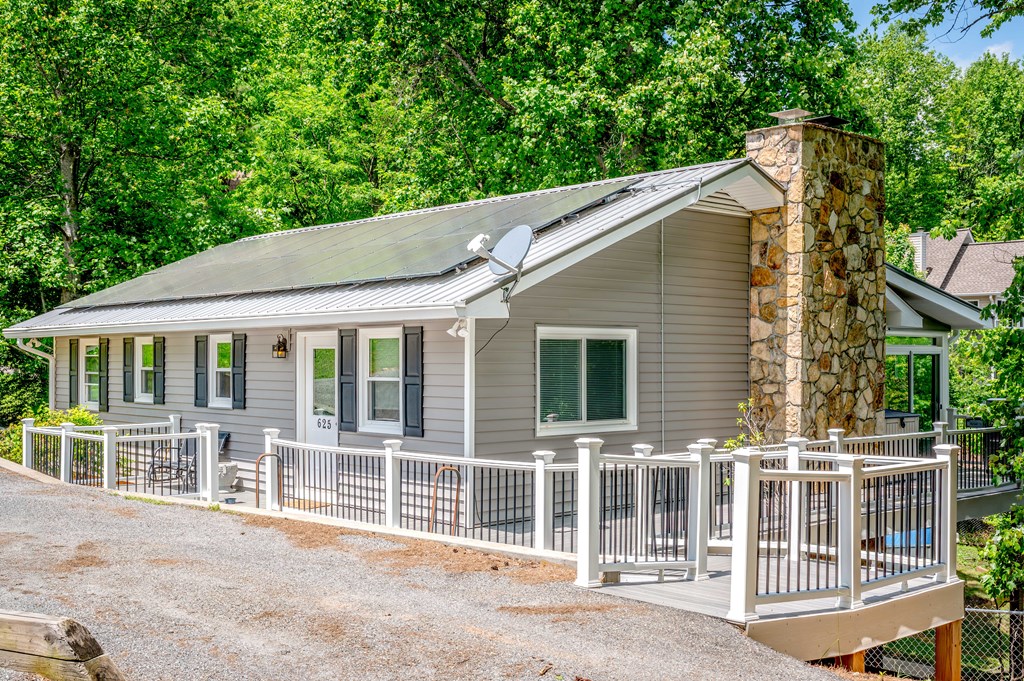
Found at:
[901, 468]
[158, 436]
[76, 435]
[280, 476]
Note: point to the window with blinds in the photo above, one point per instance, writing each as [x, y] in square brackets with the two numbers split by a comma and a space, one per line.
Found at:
[586, 379]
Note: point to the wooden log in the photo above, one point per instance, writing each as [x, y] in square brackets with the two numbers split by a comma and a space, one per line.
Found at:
[55, 647]
[947, 652]
[853, 662]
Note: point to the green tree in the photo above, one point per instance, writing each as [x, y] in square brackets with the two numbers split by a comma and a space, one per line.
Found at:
[964, 14]
[1004, 580]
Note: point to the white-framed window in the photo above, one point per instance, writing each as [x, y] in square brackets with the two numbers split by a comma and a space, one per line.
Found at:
[145, 378]
[380, 380]
[586, 380]
[220, 370]
[89, 360]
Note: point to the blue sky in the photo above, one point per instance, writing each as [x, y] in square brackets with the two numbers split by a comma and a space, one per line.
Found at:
[1009, 38]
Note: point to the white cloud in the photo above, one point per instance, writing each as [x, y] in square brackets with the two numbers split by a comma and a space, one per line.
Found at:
[999, 48]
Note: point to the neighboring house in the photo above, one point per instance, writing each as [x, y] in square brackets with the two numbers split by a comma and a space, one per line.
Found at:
[978, 272]
[647, 308]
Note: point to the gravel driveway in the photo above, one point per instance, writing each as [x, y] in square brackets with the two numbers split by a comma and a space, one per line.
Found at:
[181, 593]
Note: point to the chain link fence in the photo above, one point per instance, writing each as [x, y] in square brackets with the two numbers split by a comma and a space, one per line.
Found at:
[987, 651]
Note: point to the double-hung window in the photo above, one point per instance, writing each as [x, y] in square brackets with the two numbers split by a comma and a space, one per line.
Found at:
[380, 384]
[145, 376]
[90, 363]
[586, 380]
[220, 370]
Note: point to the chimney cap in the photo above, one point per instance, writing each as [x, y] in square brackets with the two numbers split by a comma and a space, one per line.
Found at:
[790, 115]
[828, 121]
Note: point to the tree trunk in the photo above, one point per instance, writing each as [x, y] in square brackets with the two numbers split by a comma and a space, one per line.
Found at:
[1017, 635]
[70, 158]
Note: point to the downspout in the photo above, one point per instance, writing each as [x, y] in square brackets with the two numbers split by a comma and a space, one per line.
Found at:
[661, 316]
[30, 350]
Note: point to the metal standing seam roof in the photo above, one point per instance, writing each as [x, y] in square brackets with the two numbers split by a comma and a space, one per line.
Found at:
[455, 287]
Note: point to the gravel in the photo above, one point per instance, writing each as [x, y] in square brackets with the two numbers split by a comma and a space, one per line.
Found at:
[173, 592]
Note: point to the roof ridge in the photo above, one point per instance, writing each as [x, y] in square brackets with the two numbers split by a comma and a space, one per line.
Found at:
[488, 200]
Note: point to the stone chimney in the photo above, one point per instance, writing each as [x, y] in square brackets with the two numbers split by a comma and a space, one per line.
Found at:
[817, 282]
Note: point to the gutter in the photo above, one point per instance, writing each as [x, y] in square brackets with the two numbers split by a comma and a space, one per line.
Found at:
[30, 349]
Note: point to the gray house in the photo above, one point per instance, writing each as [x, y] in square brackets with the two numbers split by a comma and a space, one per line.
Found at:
[646, 309]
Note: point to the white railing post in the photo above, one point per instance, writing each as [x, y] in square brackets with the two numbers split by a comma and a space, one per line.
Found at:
[837, 436]
[543, 501]
[273, 464]
[951, 417]
[850, 530]
[66, 447]
[947, 511]
[212, 460]
[589, 516]
[205, 486]
[699, 521]
[27, 454]
[941, 432]
[175, 423]
[795, 447]
[746, 510]
[645, 536]
[110, 457]
[393, 484]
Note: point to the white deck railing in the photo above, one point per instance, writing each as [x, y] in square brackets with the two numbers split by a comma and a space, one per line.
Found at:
[141, 457]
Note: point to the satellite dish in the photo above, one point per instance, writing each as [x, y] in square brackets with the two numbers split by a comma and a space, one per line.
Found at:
[508, 254]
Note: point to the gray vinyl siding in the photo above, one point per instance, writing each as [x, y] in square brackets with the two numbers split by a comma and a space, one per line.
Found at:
[706, 284]
[270, 394]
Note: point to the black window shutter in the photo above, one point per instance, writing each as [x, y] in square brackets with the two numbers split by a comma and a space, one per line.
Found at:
[73, 360]
[202, 381]
[412, 380]
[158, 370]
[238, 371]
[104, 353]
[129, 370]
[347, 377]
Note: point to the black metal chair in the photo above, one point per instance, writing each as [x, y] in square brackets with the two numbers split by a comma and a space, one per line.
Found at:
[176, 461]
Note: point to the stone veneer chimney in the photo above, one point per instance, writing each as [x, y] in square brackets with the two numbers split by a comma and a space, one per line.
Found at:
[817, 282]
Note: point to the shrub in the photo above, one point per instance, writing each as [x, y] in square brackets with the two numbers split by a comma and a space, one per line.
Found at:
[10, 437]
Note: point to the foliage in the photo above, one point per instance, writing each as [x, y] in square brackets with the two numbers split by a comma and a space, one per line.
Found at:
[753, 422]
[1005, 555]
[971, 380]
[898, 249]
[964, 15]
[10, 437]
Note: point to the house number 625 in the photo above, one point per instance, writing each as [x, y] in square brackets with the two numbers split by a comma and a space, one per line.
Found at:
[324, 423]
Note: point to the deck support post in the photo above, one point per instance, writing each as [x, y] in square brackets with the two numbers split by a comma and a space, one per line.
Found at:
[854, 662]
[65, 451]
[948, 512]
[699, 511]
[850, 523]
[947, 652]
[27, 455]
[392, 484]
[589, 517]
[543, 501]
[273, 464]
[941, 432]
[746, 502]
[795, 447]
[110, 457]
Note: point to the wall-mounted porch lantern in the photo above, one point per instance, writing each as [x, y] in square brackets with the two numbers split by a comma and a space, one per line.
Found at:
[279, 350]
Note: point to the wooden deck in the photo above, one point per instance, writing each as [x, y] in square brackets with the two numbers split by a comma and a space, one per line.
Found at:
[810, 629]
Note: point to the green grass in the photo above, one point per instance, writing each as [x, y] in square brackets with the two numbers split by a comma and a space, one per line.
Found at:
[145, 500]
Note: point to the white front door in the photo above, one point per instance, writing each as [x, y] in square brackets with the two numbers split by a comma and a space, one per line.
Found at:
[318, 389]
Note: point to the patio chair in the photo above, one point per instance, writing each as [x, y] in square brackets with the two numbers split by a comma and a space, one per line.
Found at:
[176, 461]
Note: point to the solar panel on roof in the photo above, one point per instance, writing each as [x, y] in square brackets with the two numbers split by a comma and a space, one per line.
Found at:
[406, 245]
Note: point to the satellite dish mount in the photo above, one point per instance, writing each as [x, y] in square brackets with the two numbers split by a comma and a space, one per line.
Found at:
[507, 256]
